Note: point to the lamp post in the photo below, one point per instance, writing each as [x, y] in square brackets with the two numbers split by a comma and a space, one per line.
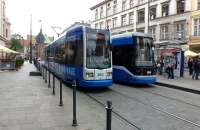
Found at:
[30, 60]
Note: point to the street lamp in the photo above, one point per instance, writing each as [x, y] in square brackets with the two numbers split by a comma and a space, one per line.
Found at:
[30, 60]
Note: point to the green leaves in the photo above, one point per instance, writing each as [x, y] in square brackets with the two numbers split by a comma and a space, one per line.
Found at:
[15, 44]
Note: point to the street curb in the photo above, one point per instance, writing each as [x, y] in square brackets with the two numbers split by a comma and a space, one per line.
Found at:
[178, 87]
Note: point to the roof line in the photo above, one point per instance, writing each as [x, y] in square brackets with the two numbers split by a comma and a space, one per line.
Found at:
[99, 4]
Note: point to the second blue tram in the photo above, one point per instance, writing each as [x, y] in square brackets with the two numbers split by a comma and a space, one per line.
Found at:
[82, 54]
[133, 58]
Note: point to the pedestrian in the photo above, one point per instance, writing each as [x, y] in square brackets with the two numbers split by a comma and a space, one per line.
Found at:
[161, 66]
[196, 67]
[172, 64]
[166, 66]
[190, 66]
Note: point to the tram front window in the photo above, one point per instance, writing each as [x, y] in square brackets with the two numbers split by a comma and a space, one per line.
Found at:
[98, 51]
[144, 52]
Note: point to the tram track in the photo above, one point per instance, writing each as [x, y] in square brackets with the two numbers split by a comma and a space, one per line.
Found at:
[154, 107]
[171, 98]
[119, 116]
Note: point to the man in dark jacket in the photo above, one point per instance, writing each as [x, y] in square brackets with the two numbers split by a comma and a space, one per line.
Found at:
[196, 66]
[190, 66]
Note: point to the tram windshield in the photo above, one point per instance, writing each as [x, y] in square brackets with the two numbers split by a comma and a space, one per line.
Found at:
[98, 50]
[145, 55]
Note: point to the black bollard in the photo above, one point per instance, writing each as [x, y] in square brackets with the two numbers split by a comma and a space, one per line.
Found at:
[74, 122]
[53, 85]
[61, 102]
[49, 84]
[109, 115]
[42, 72]
[45, 75]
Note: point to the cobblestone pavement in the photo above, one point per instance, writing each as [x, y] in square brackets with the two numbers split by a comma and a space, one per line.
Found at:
[26, 103]
[186, 82]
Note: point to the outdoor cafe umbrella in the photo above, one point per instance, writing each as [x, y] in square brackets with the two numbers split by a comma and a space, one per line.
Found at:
[190, 53]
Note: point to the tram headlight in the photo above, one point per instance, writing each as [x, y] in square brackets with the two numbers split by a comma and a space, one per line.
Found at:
[89, 74]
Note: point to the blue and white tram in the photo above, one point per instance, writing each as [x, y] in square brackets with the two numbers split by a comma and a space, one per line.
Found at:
[133, 58]
[82, 54]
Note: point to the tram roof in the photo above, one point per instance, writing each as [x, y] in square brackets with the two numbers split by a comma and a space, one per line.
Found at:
[74, 28]
[126, 38]
[130, 34]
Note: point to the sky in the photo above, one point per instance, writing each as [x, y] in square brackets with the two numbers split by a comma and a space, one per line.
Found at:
[47, 13]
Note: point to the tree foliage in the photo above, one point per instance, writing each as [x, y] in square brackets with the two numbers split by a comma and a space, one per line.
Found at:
[15, 44]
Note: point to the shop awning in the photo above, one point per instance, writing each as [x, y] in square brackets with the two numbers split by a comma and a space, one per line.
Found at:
[190, 53]
[195, 47]
[7, 50]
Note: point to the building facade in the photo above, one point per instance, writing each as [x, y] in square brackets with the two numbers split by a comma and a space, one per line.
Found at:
[4, 25]
[194, 27]
[165, 20]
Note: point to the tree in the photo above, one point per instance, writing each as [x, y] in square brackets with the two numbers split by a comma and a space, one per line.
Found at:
[15, 44]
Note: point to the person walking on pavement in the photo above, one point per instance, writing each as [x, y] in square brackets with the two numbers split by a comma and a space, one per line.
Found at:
[190, 66]
[196, 66]
[172, 63]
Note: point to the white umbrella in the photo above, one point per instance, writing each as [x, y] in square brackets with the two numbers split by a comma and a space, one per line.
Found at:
[190, 53]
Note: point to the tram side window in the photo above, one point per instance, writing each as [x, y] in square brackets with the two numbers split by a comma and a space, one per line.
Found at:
[61, 53]
[118, 55]
[79, 50]
[124, 56]
[74, 50]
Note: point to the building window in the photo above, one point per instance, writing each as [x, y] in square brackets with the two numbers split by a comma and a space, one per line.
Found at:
[123, 20]
[96, 25]
[114, 22]
[101, 12]
[140, 2]
[131, 3]
[165, 10]
[141, 16]
[114, 6]
[3, 30]
[108, 11]
[180, 6]
[140, 30]
[196, 27]
[179, 31]
[123, 5]
[152, 32]
[96, 14]
[131, 17]
[6, 33]
[108, 24]
[101, 25]
[164, 32]
[152, 13]
[198, 4]
[114, 9]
